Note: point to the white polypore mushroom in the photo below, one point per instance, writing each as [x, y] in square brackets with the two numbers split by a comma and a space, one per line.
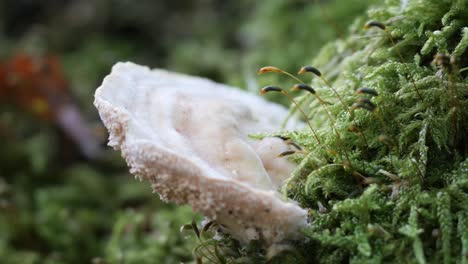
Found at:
[188, 136]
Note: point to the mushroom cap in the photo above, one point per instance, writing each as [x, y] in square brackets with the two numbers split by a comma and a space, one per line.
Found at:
[188, 137]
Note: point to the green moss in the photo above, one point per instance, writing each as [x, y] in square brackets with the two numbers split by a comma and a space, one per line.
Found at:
[55, 209]
[391, 183]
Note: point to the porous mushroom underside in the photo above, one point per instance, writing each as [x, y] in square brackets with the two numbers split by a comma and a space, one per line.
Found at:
[159, 120]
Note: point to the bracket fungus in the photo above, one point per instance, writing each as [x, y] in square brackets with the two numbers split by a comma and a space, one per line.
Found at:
[188, 137]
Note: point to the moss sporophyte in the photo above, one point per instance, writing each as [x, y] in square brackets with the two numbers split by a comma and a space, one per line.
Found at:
[378, 173]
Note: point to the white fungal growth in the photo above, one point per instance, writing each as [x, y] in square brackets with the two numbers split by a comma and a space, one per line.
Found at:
[189, 138]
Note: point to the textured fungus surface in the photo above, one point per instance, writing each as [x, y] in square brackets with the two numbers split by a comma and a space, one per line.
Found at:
[189, 138]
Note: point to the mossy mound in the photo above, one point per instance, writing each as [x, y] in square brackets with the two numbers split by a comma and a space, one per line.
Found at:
[387, 179]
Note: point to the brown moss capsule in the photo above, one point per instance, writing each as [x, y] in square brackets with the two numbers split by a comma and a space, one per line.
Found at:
[282, 137]
[269, 69]
[310, 69]
[277, 70]
[270, 88]
[363, 106]
[208, 225]
[300, 86]
[369, 91]
[294, 145]
[374, 23]
[444, 60]
[366, 101]
[286, 153]
[288, 141]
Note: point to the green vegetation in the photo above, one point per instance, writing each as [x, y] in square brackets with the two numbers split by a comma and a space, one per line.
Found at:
[386, 182]
[397, 192]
